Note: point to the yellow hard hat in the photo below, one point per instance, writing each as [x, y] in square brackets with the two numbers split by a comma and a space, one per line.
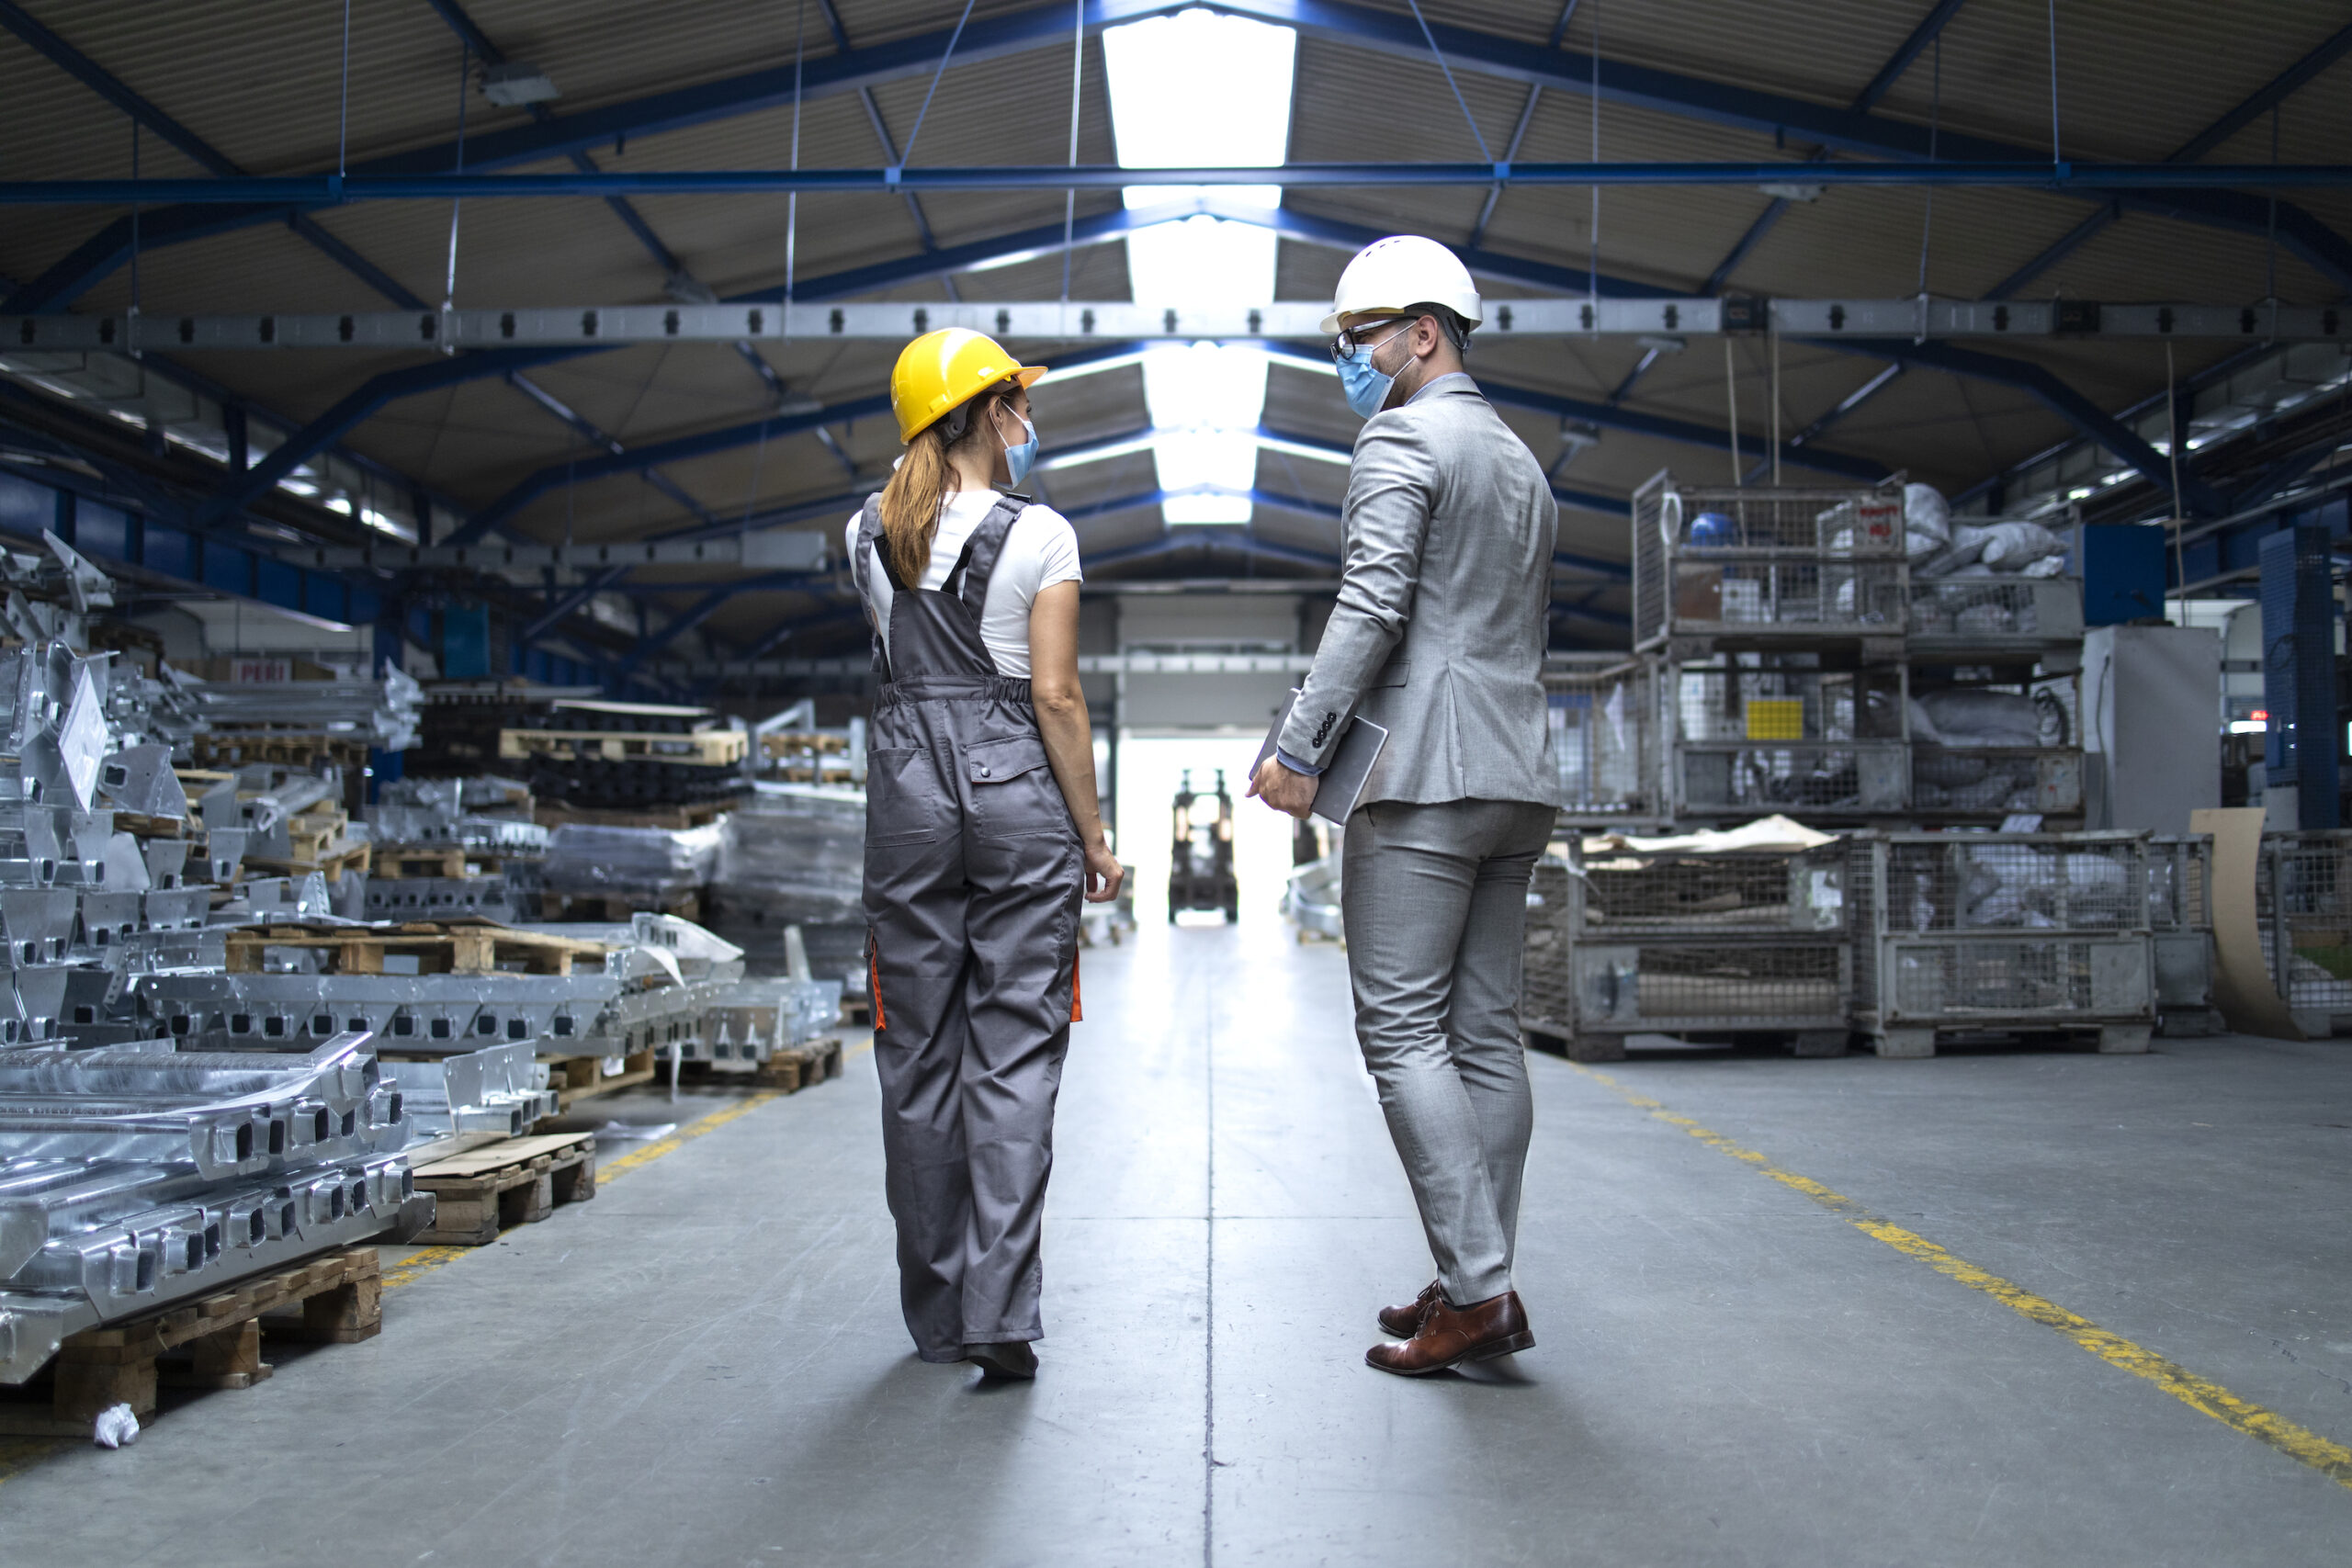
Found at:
[940, 370]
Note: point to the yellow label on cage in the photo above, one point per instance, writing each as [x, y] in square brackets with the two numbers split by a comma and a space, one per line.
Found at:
[1776, 718]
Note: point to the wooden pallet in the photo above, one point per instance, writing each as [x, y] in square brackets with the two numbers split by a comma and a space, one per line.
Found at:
[671, 819]
[349, 857]
[456, 862]
[583, 1077]
[518, 1181]
[803, 742]
[819, 1059]
[788, 1071]
[707, 748]
[438, 948]
[340, 1295]
[608, 908]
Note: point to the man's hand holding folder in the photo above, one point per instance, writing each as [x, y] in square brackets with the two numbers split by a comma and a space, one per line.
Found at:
[1330, 795]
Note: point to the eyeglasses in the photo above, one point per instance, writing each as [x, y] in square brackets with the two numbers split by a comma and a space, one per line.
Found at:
[1351, 339]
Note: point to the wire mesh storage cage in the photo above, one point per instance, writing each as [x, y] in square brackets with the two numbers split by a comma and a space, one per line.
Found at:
[1702, 945]
[1993, 617]
[1766, 567]
[1750, 733]
[2303, 902]
[1604, 728]
[1981, 751]
[2005, 932]
[2180, 917]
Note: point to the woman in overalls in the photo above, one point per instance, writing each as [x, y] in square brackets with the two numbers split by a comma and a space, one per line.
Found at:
[981, 832]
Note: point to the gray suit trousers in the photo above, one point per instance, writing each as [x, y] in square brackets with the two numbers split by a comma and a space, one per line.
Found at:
[1435, 899]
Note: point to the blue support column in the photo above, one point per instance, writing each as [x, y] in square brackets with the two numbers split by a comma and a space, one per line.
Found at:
[2299, 674]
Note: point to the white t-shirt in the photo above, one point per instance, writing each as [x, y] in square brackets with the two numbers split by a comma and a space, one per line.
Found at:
[1040, 549]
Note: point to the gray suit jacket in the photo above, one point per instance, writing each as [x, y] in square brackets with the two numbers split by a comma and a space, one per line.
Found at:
[1444, 594]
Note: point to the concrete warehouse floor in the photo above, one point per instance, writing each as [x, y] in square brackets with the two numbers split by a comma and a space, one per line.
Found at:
[706, 1366]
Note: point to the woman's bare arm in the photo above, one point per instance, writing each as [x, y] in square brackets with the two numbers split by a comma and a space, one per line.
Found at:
[1069, 737]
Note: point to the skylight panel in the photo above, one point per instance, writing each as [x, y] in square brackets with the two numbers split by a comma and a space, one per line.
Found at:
[1201, 90]
[1198, 90]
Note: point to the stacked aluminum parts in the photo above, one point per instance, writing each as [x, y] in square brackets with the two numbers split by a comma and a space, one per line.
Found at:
[133, 1176]
[440, 898]
[747, 1021]
[465, 824]
[499, 1088]
[51, 593]
[383, 713]
[461, 813]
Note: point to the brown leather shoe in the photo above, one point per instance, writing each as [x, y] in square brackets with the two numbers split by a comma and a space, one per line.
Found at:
[1450, 1336]
[1404, 1321]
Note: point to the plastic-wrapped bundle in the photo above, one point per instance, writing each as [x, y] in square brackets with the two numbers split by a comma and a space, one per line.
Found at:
[650, 864]
[796, 852]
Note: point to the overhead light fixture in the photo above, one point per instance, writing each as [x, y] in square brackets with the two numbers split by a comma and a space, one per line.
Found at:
[517, 83]
[1784, 190]
[1577, 435]
[1662, 343]
[688, 289]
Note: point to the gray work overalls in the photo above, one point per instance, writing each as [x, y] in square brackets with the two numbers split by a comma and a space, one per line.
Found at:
[973, 880]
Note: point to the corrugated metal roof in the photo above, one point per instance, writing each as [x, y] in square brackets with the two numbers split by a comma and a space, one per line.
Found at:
[2137, 78]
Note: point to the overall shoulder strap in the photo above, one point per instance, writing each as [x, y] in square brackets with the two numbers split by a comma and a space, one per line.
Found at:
[870, 547]
[969, 581]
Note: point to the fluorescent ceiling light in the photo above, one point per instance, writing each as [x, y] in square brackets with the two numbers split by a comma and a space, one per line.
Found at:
[514, 84]
[1201, 90]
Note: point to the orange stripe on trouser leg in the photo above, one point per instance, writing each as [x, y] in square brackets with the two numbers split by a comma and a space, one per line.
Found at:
[1077, 1015]
[874, 981]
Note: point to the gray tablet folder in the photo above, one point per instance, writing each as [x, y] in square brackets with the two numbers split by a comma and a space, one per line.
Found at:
[1342, 778]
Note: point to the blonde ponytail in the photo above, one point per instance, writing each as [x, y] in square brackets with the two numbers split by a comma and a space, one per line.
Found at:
[918, 486]
[910, 504]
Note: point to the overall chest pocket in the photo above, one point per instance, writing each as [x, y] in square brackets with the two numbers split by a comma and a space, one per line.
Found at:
[904, 802]
[1013, 792]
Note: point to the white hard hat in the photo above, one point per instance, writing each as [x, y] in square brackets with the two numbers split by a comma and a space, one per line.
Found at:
[1391, 276]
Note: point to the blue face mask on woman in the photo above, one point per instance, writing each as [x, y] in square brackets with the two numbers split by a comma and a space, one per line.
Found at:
[1018, 460]
[1366, 388]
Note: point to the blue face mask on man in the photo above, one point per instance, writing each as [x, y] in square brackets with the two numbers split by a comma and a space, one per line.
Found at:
[1018, 460]
[1367, 387]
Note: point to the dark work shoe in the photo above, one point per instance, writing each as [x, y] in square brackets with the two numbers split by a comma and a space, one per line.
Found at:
[1012, 1359]
[1450, 1336]
[1404, 1321]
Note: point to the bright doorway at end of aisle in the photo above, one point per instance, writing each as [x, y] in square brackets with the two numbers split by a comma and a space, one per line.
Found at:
[1151, 768]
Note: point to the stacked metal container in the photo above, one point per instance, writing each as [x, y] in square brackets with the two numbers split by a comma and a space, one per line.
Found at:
[2303, 907]
[2180, 919]
[1740, 945]
[1963, 935]
[1790, 660]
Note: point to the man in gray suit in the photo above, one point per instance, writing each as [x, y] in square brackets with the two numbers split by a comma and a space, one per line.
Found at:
[1438, 635]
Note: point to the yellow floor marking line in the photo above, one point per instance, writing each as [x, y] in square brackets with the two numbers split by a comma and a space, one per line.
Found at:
[635, 1158]
[415, 1266]
[2331, 1459]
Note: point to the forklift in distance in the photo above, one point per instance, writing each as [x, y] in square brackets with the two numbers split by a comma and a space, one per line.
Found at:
[1200, 867]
